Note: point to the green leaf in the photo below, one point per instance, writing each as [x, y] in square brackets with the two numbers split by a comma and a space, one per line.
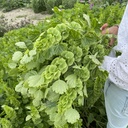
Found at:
[31, 65]
[28, 117]
[42, 107]
[86, 17]
[59, 48]
[94, 59]
[63, 29]
[35, 115]
[21, 45]
[52, 96]
[51, 108]
[5, 123]
[17, 56]
[36, 102]
[32, 91]
[76, 26]
[25, 59]
[19, 87]
[52, 68]
[72, 115]
[85, 91]
[35, 81]
[59, 86]
[90, 118]
[32, 52]
[10, 112]
[59, 120]
[83, 72]
[56, 33]
[30, 73]
[38, 95]
[24, 91]
[12, 65]
[71, 80]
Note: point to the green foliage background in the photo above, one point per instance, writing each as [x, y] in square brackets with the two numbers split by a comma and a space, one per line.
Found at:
[9, 5]
[49, 73]
[38, 6]
[68, 4]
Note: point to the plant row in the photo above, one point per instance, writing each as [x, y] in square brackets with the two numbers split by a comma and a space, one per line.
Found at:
[48, 5]
[50, 74]
[37, 5]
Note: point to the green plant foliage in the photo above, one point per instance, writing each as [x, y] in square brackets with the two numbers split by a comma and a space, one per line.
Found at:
[45, 5]
[58, 2]
[9, 5]
[113, 14]
[68, 4]
[50, 4]
[50, 74]
[2, 31]
[38, 6]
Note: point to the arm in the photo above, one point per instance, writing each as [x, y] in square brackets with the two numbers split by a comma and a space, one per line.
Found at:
[118, 66]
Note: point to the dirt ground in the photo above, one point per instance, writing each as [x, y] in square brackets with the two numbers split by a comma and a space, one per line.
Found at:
[17, 15]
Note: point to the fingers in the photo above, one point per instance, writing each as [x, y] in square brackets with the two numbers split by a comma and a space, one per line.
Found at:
[105, 31]
[109, 30]
[112, 40]
[104, 26]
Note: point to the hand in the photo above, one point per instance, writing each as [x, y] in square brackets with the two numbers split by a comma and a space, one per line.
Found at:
[109, 30]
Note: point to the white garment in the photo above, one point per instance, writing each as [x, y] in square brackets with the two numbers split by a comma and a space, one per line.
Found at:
[118, 66]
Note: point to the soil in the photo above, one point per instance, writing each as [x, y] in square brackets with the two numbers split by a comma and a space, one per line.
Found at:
[18, 15]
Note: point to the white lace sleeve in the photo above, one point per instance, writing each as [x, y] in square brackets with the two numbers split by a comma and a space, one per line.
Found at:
[118, 69]
[118, 66]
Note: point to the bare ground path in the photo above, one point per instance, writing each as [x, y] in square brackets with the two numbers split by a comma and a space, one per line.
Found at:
[18, 15]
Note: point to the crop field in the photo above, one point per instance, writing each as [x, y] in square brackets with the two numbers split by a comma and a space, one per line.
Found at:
[50, 72]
